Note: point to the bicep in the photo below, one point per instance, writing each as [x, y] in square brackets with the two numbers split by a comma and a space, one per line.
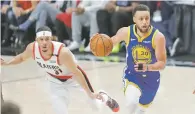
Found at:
[28, 53]
[160, 48]
[67, 59]
[121, 35]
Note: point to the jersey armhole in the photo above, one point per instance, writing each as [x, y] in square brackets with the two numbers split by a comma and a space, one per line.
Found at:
[128, 37]
[153, 37]
[58, 61]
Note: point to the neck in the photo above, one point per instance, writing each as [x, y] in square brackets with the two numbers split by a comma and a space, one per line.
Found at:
[141, 34]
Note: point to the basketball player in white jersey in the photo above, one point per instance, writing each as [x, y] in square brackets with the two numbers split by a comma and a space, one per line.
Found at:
[61, 69]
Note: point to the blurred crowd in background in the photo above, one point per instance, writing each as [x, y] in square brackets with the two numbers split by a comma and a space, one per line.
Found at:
[74, 22]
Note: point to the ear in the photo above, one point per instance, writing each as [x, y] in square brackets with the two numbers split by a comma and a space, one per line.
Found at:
[134, 19]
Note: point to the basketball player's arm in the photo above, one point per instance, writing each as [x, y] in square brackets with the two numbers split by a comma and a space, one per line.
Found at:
[160, 52]
[65, 58]
[21, 57]
[121, 35]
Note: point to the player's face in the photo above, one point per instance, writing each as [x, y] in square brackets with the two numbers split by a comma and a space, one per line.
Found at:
[44, 43]
[142, 20]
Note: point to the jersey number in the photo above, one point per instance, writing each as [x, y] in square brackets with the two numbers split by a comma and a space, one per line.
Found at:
[58, 71]
[144, 53]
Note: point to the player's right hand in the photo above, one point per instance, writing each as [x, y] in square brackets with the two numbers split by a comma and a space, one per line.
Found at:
[3, 62]
[194, 92]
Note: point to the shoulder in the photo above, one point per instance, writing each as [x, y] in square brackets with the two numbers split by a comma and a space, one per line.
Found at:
[123, 31]
[65, 55]
[159, 38]
[30, 47]
[64, 51]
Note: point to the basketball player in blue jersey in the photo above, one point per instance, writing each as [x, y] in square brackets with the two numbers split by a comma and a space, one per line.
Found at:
[145, 57]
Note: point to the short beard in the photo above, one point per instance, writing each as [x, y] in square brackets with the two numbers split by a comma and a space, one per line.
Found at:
[142, 30]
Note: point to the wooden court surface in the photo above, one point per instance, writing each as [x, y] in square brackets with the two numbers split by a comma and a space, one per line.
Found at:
[24, 85]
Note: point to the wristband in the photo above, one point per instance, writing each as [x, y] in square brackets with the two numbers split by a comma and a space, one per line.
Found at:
[147, 69]
[140, 66]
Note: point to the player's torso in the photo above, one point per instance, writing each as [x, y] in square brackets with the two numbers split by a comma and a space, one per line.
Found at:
[141, 50]
[52, 66]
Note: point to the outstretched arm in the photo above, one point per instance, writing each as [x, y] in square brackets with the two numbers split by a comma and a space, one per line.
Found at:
[160, 53]
[21, 57]
[66, 58]
[121, 35]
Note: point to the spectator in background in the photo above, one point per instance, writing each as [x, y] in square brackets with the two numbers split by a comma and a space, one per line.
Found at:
[43, 13]
[5, 31]
[84, 15]
[115, 15]
[162, 19]
[20, 11]
[63, 22]
[16, 12]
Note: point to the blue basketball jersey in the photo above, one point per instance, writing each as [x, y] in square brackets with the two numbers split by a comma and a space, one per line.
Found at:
[141, 50]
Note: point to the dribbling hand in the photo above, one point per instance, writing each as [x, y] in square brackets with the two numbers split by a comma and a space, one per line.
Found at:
[96, 96]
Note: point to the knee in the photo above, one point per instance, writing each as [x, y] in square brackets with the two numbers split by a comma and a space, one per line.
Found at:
[132, 95]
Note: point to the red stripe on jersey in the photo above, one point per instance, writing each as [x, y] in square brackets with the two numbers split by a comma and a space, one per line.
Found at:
[60, 77]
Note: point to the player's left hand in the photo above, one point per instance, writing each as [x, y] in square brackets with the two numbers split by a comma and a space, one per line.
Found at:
[96, 96]
[141, 67]
[194, 92]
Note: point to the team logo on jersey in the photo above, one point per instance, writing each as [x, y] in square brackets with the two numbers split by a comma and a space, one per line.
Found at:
[55, 68]
[141, 53]
[52, 61]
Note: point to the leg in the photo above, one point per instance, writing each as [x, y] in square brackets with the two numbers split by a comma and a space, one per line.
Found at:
[93, 27]
[59, 97]
[41, 8]
[103, 21]
[132, 95]
[120, 19]
[41, 21]
[77, 22]
[61, 32]
[148, 95]
[93, 24]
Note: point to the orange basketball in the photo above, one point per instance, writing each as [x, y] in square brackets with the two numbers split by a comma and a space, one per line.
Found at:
[101, 45]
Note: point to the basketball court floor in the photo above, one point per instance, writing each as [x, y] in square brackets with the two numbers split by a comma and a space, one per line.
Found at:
[24, 85]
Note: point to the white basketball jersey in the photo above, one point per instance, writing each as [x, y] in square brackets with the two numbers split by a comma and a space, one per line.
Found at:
[51, 66]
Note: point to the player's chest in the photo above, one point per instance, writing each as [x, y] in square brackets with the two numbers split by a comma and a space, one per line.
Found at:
[135, 44]
[48, 65]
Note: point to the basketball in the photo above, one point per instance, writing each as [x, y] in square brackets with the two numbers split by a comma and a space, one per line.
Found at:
[101, 45]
